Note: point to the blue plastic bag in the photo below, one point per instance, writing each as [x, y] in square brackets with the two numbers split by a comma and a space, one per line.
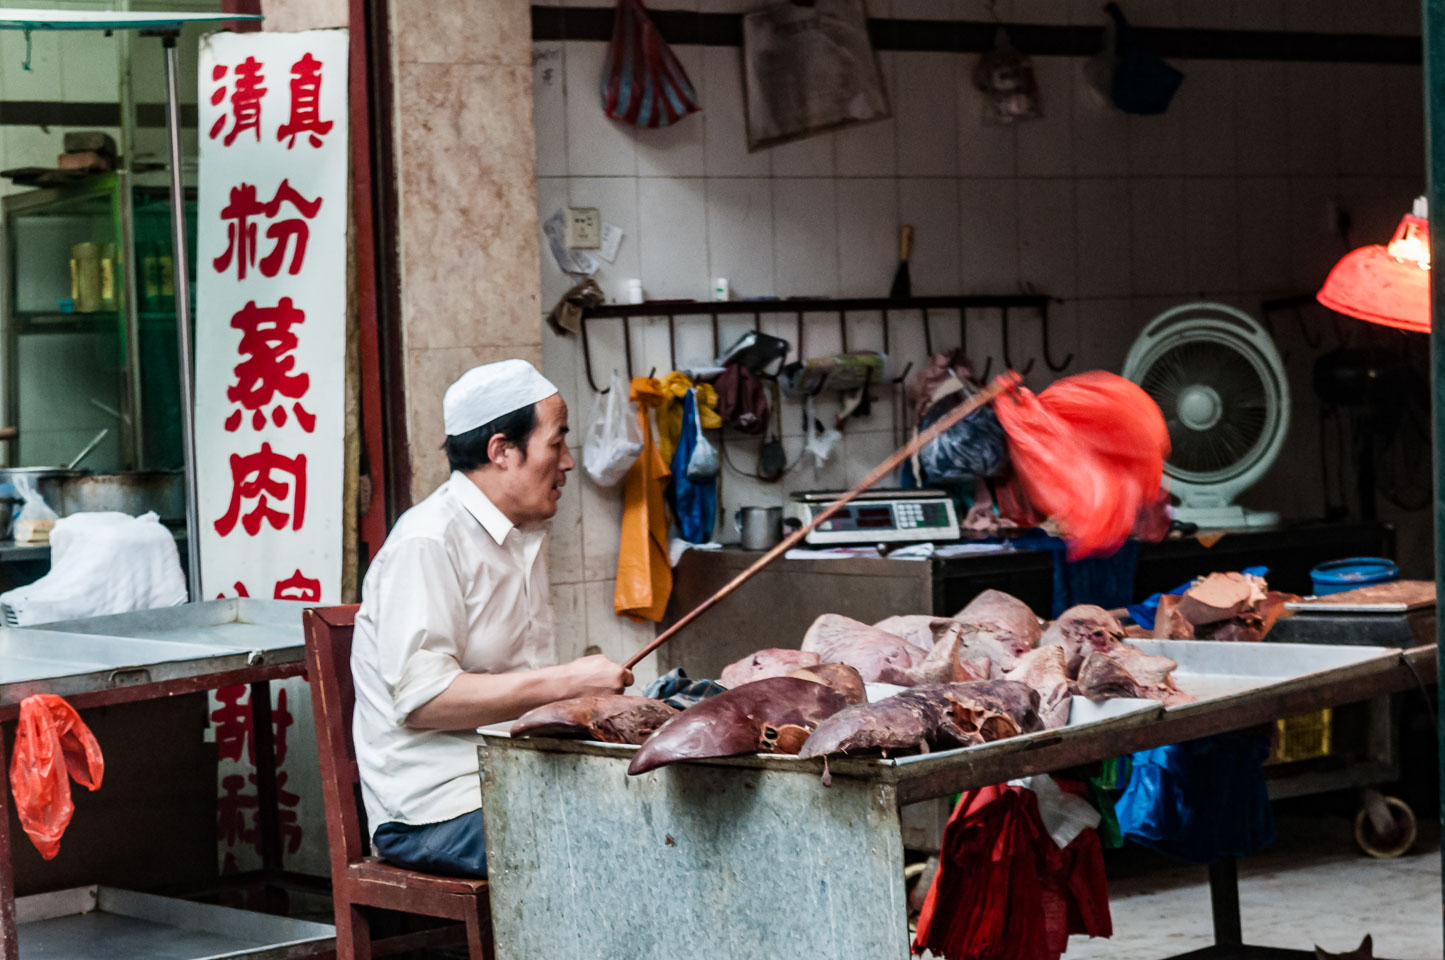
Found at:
[1201, 800]
[1143, 612]
[694, 502]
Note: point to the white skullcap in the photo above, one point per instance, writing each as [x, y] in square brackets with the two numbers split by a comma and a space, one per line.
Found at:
[484, 393]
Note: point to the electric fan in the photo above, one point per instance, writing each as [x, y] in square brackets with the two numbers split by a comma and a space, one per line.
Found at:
[1219, 380]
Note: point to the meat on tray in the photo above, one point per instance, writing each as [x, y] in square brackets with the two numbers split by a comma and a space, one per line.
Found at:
[772, 662]
[611, 719]
[870, 651]
[766, 716]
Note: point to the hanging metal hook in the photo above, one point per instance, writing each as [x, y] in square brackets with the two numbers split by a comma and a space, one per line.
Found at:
[927, 335]
[1048, 352]
[1008, 361]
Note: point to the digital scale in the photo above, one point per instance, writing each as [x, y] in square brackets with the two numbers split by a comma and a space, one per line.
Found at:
[876, 516]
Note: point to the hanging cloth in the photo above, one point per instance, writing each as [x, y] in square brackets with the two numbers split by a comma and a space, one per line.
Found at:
[675, 386]
[52, 745]
[693, 498]
[642, 81]
[644, 575]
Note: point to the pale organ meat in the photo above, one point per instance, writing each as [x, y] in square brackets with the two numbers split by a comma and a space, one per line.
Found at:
[1084, 630]
[1044, 671]
[1081, 629]
[1006, 613]
[772, 662]
[918, 629]
[870, 651]
[942, 665]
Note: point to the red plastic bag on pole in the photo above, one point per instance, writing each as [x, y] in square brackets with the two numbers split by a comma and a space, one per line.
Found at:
[642, 82]
[52, 745]
[1089, 452]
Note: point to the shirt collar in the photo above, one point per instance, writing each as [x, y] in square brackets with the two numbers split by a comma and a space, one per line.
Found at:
[477, 503]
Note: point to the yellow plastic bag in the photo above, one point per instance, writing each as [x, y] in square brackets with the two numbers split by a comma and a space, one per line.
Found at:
[644, 575]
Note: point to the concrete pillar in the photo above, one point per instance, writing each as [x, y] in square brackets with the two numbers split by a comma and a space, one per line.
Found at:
[467, 208]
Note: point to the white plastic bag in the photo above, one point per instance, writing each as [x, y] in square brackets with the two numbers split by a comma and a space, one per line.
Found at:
[614, 440]
[35, 520]
[703, 464]
[101, 563]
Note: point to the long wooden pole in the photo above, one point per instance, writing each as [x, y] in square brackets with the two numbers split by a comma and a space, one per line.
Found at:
[1001, 383]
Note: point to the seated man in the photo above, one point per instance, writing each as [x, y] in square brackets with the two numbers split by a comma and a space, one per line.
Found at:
[455, 627]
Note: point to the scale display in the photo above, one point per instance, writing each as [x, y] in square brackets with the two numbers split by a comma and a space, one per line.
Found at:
[887, 519]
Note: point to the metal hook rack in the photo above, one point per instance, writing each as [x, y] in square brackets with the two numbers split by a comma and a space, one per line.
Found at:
[886, 307]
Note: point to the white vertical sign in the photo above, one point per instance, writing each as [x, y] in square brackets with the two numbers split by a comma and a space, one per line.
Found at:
[271, 371]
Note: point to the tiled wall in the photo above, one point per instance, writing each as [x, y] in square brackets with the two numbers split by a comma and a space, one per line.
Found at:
[1224, 197]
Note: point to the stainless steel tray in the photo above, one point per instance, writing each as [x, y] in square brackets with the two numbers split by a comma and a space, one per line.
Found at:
[150, 646]
[104, 923]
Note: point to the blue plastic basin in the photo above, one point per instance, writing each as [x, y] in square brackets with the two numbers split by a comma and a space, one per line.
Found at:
[1337, 576]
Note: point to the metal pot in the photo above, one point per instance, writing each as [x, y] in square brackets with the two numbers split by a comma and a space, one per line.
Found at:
[162, 491]
[759, 528]
[49, 481]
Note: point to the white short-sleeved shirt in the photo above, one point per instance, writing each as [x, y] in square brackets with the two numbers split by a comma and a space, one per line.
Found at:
[456, 588]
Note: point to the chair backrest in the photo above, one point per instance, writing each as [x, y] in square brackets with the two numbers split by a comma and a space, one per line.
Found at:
[333, 695]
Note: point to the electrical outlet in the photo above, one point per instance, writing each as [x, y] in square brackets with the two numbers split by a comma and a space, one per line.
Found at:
[584, 228]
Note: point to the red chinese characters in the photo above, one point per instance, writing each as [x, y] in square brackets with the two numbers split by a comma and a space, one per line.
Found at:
[298, 586]
[236, 809]
[274, 485]
[245, 207]
[246, 94]
[305, 104]
[266, 372]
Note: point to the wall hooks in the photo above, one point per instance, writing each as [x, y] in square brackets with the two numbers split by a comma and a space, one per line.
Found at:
[887, 308]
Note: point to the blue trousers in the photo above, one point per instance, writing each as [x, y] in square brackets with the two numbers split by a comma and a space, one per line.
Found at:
[455, 847]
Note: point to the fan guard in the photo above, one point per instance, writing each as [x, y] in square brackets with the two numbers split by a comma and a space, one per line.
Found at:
[1220, 383]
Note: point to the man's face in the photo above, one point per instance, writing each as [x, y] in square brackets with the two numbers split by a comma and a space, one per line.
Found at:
[534, 484]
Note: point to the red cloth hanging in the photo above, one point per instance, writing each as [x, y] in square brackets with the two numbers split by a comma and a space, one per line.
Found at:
[1089, 452]
[52, 745]
[1004, 890]
[643, 83]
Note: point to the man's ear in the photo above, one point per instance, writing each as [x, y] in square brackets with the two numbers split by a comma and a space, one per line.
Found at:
[497, 447]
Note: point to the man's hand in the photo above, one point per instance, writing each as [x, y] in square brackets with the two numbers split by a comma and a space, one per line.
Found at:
[596, 676]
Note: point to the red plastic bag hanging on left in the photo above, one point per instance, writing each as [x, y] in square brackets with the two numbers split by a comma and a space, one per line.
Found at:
[52, 745]
[643, 83]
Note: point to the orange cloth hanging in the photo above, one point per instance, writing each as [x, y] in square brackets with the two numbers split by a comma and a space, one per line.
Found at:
[644, 574]
[52, 744]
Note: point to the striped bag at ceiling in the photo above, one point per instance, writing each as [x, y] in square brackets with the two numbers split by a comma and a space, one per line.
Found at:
[642, 82]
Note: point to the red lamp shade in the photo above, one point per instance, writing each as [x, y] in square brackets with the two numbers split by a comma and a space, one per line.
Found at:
[1386, 285]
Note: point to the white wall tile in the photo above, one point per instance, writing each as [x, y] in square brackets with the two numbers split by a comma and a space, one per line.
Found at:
[1404, 105]
[1101, 133]
[1314, 244]
[673, 233]
[90, 66]
[1312, 16]
[601, 527]
[988, 236]
[1206, 105]
[927, 124]
[597, 146]
[560, 364]
[867, 236]
[1261, 108]
[676, 150]
[564, 542]
[549, 109]
[1264, 234]
[1105, 269]
[1158, 229]
[870, 149]
[1313, 118]
[1154, 13]
[805, 237]
[1205, 14]
[43, 81]
[1106, 329]
[809, 157]
[924, 9]
[740, 234]
[1156, 144]
[616, 199]
[1046, 145]
[1258, 14]
[569, 615]
[1046, 236]
[1212, 230]
[725, 119]
[932, 207]
[1364, 119]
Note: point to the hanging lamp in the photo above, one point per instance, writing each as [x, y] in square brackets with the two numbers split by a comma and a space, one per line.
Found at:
[1390, 284]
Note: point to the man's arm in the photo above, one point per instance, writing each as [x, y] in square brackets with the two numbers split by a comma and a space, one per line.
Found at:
[476, 699]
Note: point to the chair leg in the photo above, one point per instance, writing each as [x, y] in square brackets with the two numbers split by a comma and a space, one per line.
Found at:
[479, 933]
[353, 933]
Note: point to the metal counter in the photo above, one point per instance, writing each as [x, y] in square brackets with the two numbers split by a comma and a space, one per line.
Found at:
[755, 858]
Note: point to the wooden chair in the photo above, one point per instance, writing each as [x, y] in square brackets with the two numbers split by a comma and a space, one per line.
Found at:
[359, 880]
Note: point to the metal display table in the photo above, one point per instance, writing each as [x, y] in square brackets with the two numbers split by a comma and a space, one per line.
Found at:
[758, 858]
[150, 655]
